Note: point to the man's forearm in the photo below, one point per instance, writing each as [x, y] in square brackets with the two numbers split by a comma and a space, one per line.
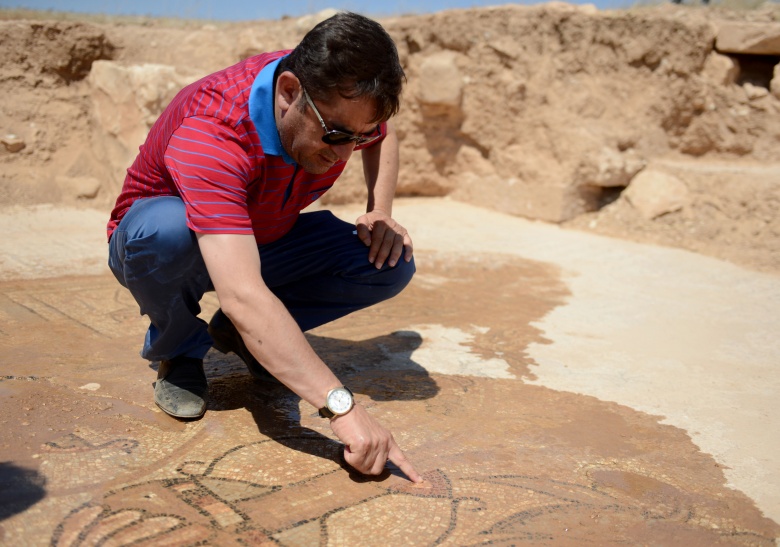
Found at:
[267, 328]
[277, 342]
[380, 168]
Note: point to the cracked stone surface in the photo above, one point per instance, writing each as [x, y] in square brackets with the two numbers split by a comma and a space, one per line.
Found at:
[553, 387]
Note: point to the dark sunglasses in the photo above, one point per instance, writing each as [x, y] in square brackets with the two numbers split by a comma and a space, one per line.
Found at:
[335, 137]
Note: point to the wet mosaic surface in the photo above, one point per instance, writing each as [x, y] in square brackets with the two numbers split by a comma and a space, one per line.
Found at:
[87, 459]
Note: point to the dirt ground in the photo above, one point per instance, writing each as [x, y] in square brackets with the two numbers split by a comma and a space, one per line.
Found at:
[552, 386]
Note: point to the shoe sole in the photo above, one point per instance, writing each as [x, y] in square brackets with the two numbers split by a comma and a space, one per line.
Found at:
[180, 416]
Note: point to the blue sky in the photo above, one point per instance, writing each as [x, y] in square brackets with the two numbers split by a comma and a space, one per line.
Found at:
[239, 10]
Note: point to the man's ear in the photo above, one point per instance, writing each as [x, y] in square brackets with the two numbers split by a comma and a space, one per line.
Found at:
[288, 89]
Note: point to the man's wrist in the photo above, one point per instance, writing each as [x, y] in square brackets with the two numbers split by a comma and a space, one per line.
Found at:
[338, 402]
[384, 211]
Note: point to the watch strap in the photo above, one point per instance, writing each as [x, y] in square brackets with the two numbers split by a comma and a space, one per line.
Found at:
[325, 412]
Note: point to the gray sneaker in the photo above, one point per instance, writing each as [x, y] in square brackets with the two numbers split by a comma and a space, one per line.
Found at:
[181, 389]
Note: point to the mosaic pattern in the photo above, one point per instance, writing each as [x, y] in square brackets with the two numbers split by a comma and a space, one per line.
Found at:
[291, 486]
[205, 504]
[91, 461]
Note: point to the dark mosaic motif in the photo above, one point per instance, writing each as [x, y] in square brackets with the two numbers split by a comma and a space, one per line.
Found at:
[207, 504]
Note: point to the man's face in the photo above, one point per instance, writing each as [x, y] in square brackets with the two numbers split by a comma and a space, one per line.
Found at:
[301, 131]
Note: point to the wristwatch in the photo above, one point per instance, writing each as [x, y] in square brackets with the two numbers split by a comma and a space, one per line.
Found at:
[338, 402]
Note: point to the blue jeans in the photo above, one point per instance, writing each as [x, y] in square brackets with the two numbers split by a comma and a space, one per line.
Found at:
[319, 270]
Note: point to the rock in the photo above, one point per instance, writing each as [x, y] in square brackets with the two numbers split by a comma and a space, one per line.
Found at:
[613, 169]
[506, 46]
[126, 101]
[721, 69]
[79, 187]
[752, 38]
[134, 94]
[13, 143]
[774, 86]
[441, 83]
[754, 92]
[655, 193]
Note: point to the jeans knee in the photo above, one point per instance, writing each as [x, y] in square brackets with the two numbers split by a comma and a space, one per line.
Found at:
[174, 241]
[393, 280]
[156, 238]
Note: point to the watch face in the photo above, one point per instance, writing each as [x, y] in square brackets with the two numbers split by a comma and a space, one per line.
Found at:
[339, 401]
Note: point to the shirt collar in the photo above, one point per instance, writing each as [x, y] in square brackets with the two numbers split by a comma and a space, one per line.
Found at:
[261, 111]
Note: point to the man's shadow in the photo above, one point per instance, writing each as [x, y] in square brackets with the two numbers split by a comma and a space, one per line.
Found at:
[380, 368]
[20, 489]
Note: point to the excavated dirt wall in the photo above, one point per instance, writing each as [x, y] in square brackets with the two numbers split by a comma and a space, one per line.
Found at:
[547, 112]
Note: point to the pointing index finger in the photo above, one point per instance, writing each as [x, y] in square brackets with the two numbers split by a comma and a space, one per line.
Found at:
[397, 457]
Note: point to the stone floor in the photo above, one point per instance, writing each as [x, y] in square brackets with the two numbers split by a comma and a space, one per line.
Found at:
[553, 387]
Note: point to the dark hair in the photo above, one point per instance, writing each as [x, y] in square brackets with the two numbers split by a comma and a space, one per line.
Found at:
[352, 55]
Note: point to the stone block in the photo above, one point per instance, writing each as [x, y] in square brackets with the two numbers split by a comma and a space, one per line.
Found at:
[721, 69]
[13, 143]
[655, 193]
[441, 83]
[750, 38]
[78, 187]
[774, 86]
[754, 92]
[610, 169]
[126, 100]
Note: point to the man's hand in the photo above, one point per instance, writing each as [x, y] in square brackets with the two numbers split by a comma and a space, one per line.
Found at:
[368, 445]
[387, 240]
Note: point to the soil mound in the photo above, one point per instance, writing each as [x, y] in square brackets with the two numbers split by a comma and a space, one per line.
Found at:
[657, 124]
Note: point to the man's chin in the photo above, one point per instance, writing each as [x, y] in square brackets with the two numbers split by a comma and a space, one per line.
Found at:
[316, 168]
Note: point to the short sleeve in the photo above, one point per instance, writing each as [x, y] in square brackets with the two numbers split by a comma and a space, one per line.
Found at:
[211, 169]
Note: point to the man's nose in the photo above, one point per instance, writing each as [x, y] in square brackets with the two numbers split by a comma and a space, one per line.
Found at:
[343, 151]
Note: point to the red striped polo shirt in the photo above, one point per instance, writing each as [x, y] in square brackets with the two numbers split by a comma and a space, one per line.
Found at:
[217, 147]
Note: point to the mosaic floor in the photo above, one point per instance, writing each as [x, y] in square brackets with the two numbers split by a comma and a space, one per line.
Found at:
[87, 458]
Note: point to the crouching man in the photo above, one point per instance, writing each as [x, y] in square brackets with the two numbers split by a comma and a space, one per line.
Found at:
[213, 201]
